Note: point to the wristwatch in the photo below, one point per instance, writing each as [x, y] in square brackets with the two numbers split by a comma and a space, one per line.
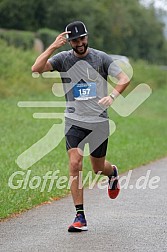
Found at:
[113, 96]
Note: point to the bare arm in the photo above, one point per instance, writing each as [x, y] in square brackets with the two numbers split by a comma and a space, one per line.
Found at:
[42, 64]
[123, 82]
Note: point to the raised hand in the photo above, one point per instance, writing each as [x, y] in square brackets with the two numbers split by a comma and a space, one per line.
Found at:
[60, 40]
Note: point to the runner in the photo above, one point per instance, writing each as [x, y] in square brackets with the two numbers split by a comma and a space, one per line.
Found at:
[87, 99]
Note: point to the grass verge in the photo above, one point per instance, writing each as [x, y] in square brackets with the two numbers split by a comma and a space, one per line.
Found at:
[138, 139]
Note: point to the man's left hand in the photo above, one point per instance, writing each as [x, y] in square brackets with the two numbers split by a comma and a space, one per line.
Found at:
[106, 101]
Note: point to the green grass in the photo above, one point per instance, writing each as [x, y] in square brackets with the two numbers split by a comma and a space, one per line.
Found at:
[138, 139]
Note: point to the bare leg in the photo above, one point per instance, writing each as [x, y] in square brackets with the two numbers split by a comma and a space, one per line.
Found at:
[75, 166]
[100, 164]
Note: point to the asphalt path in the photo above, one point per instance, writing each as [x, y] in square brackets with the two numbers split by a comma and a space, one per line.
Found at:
[135, 221]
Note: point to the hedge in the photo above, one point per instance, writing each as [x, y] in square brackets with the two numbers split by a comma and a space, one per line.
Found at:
[23, 39]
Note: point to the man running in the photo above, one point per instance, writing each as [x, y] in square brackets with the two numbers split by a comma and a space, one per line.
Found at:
[87, 99]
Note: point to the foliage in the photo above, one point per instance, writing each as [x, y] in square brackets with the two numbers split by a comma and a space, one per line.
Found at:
[47, 36]
[23, 39]
[22, 15]
[120, 27]
[18, 80]
[15, 71]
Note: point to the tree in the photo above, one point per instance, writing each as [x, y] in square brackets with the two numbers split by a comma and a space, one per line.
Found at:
[22, 15]
[119, 27]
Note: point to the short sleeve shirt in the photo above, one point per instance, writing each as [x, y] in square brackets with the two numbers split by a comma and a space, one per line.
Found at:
[84, 82]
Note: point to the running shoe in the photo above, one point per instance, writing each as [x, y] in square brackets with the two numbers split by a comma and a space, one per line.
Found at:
[113, 184]
[79, 224]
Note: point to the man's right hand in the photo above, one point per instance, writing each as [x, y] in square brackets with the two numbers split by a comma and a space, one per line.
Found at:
[60, 40]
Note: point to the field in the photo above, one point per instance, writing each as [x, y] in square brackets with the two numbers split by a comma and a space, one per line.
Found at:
[138, 139]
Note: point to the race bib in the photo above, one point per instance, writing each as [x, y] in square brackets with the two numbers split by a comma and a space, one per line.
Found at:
[84, 91]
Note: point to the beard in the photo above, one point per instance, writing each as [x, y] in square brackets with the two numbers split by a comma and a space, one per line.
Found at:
[80, 49]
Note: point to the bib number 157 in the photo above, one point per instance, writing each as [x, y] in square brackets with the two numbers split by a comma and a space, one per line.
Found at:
[84, 91]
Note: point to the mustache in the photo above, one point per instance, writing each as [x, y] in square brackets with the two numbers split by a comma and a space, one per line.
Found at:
[85, 48]
[80, 45]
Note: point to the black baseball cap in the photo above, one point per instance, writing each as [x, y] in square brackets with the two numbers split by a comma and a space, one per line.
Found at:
[77, 29]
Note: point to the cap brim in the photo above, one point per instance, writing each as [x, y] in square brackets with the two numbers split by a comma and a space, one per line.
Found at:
[75, 37]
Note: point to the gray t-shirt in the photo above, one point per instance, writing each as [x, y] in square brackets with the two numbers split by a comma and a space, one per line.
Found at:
[84, 83]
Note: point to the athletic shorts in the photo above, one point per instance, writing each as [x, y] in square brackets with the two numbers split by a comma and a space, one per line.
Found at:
[96, 135]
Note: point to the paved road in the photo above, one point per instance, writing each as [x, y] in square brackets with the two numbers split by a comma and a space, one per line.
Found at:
[135, 221]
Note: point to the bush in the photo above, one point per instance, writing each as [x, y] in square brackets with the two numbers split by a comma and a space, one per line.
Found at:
[47, 36]
[16, 76]
[23, 39]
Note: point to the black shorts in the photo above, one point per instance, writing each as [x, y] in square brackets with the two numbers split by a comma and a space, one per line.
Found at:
[96, 136]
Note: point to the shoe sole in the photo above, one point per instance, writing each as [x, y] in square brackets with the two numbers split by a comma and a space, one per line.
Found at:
[77, 229]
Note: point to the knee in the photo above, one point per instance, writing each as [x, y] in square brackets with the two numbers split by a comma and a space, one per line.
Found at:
[75, 167]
